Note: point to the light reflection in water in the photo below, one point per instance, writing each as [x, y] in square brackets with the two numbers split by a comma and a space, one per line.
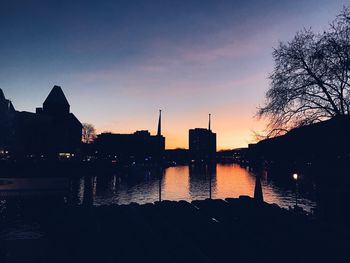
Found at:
[182, 183]
[176, 183]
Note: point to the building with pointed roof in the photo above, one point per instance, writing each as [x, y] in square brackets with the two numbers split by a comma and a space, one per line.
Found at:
[6, 106]
[7, 117]
[56, 102]
[51, 130]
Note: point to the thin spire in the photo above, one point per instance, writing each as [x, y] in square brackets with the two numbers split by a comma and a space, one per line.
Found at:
[159, 133]
[209, 128]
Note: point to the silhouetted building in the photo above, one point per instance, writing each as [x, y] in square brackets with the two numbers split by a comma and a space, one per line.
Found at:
[232, 156]
[6, 106]
[326, 140]
[202, 144]
[139, 146]
[176, 156]
[49, 132]
[7, 122]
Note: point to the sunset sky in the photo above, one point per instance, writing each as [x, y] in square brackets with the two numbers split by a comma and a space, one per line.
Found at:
[119, 62]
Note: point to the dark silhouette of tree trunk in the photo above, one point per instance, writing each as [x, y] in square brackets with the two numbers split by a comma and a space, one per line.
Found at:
[310, 80]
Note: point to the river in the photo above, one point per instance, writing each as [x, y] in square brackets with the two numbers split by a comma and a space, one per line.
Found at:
[186, 183]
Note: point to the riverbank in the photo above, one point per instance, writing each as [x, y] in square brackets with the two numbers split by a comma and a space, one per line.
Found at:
[68, 169]
[232, 230]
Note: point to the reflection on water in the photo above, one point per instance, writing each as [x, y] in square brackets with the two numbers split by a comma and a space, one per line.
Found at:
[182, 183]
[174, 183]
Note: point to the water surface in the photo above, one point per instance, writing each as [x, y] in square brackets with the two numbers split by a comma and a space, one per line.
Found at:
[146, 186]
[184, 183]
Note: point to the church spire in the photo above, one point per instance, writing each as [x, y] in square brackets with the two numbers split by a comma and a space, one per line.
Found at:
[159, 132]
[209, 128]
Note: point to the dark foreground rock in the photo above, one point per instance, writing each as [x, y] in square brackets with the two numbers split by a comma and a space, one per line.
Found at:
[234, 230]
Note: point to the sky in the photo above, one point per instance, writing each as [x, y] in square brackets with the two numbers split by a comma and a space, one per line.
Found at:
[119, 62]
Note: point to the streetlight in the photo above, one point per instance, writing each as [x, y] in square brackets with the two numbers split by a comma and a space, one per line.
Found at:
[296, 177]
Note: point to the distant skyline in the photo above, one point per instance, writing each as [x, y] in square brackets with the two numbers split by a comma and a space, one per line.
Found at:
[119, 62]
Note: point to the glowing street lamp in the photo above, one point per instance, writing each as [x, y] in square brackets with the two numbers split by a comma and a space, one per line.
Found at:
[296, 177]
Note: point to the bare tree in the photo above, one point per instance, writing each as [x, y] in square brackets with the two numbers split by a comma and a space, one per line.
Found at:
[89, 133]
[310, 80]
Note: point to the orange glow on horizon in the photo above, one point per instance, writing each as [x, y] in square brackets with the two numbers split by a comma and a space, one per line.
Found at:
[231, 131]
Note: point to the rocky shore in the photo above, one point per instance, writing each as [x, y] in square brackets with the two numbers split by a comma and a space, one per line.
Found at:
[231, 230]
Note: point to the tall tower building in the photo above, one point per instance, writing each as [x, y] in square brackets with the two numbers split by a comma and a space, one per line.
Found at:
[202, 144]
